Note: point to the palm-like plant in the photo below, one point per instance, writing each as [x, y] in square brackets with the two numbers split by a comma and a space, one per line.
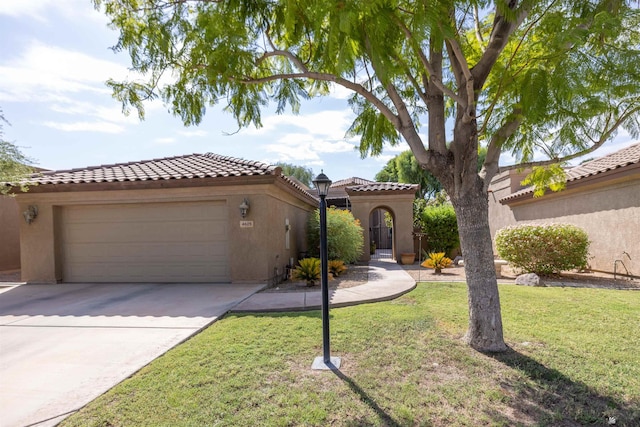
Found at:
[336, 267]
[437, 261]
[308, 269]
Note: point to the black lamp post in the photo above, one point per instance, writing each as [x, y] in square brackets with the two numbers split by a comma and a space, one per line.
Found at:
[322, 184]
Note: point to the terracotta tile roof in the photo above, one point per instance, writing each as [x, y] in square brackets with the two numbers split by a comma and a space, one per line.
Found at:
[179, 167]
[384, 186]
[619, 159]
[351, 181]
[622, 158]
[192, 166]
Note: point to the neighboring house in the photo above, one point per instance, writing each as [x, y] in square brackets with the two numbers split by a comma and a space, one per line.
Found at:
[377, 231]
[9, 234]
[602, 196]
[10, 218]
[178, 219]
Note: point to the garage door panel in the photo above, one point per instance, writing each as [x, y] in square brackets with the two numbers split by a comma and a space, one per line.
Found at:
[172, 231]
[160, 273]
[115, 252]
[159, 242]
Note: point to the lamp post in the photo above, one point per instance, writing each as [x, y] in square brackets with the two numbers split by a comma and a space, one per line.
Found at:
[322, 184]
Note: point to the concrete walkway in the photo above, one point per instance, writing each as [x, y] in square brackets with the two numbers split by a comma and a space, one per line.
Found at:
[63, 345]
[386, 280]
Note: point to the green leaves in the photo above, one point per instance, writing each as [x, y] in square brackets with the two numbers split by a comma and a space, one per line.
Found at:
[567, 69]
[345, 239]
[14, 165]
[373, 127]
[552, 177]
[543, 249]
[405, 168]
[308, 269]
[441, 228]
[566, 79]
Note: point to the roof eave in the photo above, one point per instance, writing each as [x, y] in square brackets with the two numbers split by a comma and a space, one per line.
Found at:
[620, 173]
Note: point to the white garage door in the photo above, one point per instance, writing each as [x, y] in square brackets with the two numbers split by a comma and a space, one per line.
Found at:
[149, 242]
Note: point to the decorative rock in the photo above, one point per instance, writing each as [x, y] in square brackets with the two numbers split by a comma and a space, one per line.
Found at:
[529, 279]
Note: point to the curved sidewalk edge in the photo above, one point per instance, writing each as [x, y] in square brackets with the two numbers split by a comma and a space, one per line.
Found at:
[386, 281]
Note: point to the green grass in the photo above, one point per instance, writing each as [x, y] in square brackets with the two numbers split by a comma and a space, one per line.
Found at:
[575, 360]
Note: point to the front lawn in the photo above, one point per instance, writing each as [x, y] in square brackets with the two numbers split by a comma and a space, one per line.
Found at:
[575, 361]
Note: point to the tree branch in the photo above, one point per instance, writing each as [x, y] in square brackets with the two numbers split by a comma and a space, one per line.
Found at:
[359, 89]
[489, 111]
[435, 102]
[491, 163]
[603, 138]
[433, 79]
[469, 106]
[476, 19]
[502, 29]
[408, 130]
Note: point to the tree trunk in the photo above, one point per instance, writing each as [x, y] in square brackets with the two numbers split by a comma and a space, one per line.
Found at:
[485, 320]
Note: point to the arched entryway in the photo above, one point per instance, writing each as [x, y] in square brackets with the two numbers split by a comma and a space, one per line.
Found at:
[381, 233]
[397, 200]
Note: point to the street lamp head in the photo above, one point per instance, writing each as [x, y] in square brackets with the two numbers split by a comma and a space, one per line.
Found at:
[322, 184]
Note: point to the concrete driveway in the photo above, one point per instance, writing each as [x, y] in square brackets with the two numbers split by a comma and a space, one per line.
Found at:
[63, 345]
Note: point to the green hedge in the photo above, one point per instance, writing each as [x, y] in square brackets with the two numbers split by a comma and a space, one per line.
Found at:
[441, 228]
[543, 249]
[345, 238]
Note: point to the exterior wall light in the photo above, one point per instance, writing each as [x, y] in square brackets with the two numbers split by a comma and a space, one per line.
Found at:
[244, 208]
[30, 214]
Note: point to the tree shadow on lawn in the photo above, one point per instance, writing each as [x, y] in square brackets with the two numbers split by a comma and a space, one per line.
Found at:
[387, 419]
[551, 398]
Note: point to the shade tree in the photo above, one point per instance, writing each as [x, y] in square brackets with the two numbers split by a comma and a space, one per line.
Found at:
[553, 78]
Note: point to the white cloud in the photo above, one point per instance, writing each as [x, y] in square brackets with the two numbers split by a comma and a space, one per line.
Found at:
[46, 70]
[383, 158]
[32, 8]
[68, 82]
[306, 148]
[103, 127]
[398, 148]
[193, 133]
[41, 10]
[340, 92]
[111, 114]
[331, 124]
[167, 140]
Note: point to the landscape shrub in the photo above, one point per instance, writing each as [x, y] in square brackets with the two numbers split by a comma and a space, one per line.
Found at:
[336, 267]
[543, 249]
[345, 239]
[308, 269]
[436, 260]
[441, 228]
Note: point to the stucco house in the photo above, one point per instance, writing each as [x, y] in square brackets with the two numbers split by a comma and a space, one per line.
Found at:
[9, 234]
[602, 196]
[379, 232]
[192, 218]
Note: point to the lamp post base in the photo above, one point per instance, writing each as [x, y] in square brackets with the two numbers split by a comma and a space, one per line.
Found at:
[318, 364]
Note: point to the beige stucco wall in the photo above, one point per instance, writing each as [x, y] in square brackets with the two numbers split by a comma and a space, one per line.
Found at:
[401, 208]
[262, 250]
[9, 234]
[609, 211]
[254, 252]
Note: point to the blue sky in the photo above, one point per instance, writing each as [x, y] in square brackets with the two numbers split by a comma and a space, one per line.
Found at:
[54, 60]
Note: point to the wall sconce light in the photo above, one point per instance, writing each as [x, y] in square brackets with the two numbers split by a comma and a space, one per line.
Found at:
[244, 207]
[30, 214]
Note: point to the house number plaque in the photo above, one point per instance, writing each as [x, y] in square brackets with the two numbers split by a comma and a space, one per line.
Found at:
[246, 224]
